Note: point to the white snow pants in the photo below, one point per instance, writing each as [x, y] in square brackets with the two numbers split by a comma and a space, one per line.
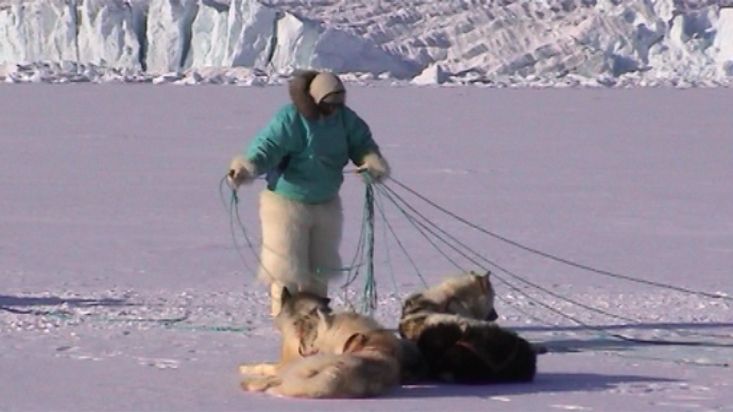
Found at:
[300, 245]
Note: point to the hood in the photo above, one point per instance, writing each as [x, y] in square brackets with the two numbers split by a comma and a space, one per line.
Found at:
[298, 90]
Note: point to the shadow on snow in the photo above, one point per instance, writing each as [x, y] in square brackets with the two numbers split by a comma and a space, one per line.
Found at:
[16, 304]
[580, 338]
[544, 382]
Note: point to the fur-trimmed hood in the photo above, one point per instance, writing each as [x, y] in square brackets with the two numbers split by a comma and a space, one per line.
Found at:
[298, 88]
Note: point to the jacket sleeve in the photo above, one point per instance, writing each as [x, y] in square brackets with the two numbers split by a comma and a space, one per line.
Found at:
[360, 138]
[275, 141]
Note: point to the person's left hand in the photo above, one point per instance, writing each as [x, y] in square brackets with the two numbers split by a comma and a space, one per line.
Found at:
[376, 166]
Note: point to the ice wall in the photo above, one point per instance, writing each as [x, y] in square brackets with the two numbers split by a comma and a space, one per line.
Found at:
[724, 43]
[107, 34]
[169, 34]
[529, 42]
[38, 31]
[306, 43]
[240, 35]
[164, 36]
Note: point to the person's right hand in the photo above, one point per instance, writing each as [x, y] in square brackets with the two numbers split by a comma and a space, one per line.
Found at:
[240, 172]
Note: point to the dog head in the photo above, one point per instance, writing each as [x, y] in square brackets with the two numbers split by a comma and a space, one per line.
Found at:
[297, 321]
[298, 305]
[314, 330]
[473, 297]
[470, 295]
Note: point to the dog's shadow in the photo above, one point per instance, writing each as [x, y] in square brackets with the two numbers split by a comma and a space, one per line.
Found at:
[581, 338]
[543, 382]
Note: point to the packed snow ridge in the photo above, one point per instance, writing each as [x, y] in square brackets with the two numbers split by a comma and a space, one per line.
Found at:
[504, 43]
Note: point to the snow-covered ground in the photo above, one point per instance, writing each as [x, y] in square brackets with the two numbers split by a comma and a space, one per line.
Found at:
[506, 43]
[122, 290]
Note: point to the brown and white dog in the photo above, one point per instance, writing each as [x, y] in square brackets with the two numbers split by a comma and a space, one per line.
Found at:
[452, 325]
[294, 320]
[346, 355]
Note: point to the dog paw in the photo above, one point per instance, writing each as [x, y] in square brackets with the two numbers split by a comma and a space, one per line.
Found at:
[260, 384]
[258, 369]
[275, 391]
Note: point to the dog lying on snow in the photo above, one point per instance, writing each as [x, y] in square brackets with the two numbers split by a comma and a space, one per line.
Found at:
[452, 326]
[293, 308]
[447, 331]
[342, 355]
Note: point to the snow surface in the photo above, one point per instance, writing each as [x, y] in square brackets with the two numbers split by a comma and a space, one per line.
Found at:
[122, 290]
[510, 42]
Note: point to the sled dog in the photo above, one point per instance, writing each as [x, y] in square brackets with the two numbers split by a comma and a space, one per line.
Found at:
[466, 296]
[346, 355]
[294, 319]
[452, 326]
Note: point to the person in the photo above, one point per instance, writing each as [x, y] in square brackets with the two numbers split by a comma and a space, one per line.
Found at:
[303, 151]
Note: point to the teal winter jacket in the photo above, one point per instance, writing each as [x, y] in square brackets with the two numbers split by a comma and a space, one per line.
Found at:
[304, 157]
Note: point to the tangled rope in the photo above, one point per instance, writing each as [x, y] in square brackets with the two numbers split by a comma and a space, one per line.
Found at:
[377, 194]
[437, 236]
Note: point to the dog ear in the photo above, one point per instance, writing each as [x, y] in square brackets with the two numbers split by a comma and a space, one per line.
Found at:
[285, 296]
[483, 282]
[355, 343]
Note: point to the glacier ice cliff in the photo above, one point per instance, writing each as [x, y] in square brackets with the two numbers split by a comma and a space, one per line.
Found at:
[530, 42]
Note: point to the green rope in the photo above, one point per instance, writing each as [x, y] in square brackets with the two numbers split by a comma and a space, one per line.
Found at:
[232, 209]
[363, 256]
[389, 227]
[448, 240]
[388, 256]
[370, 283]
[555, 257]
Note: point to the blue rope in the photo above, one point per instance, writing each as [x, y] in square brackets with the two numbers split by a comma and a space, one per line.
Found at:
[402, 246]
[389, 192]
[598, 329]
[363, 256]
[419, 228]
[370, 283]
[378, 202]
[353, 272]
[558, 258]
[232, 209]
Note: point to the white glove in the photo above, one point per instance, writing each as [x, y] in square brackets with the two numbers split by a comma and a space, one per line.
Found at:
[241, 171]
[375, 165]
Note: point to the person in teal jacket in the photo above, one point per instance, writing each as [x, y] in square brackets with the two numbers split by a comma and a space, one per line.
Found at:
[303, 151]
